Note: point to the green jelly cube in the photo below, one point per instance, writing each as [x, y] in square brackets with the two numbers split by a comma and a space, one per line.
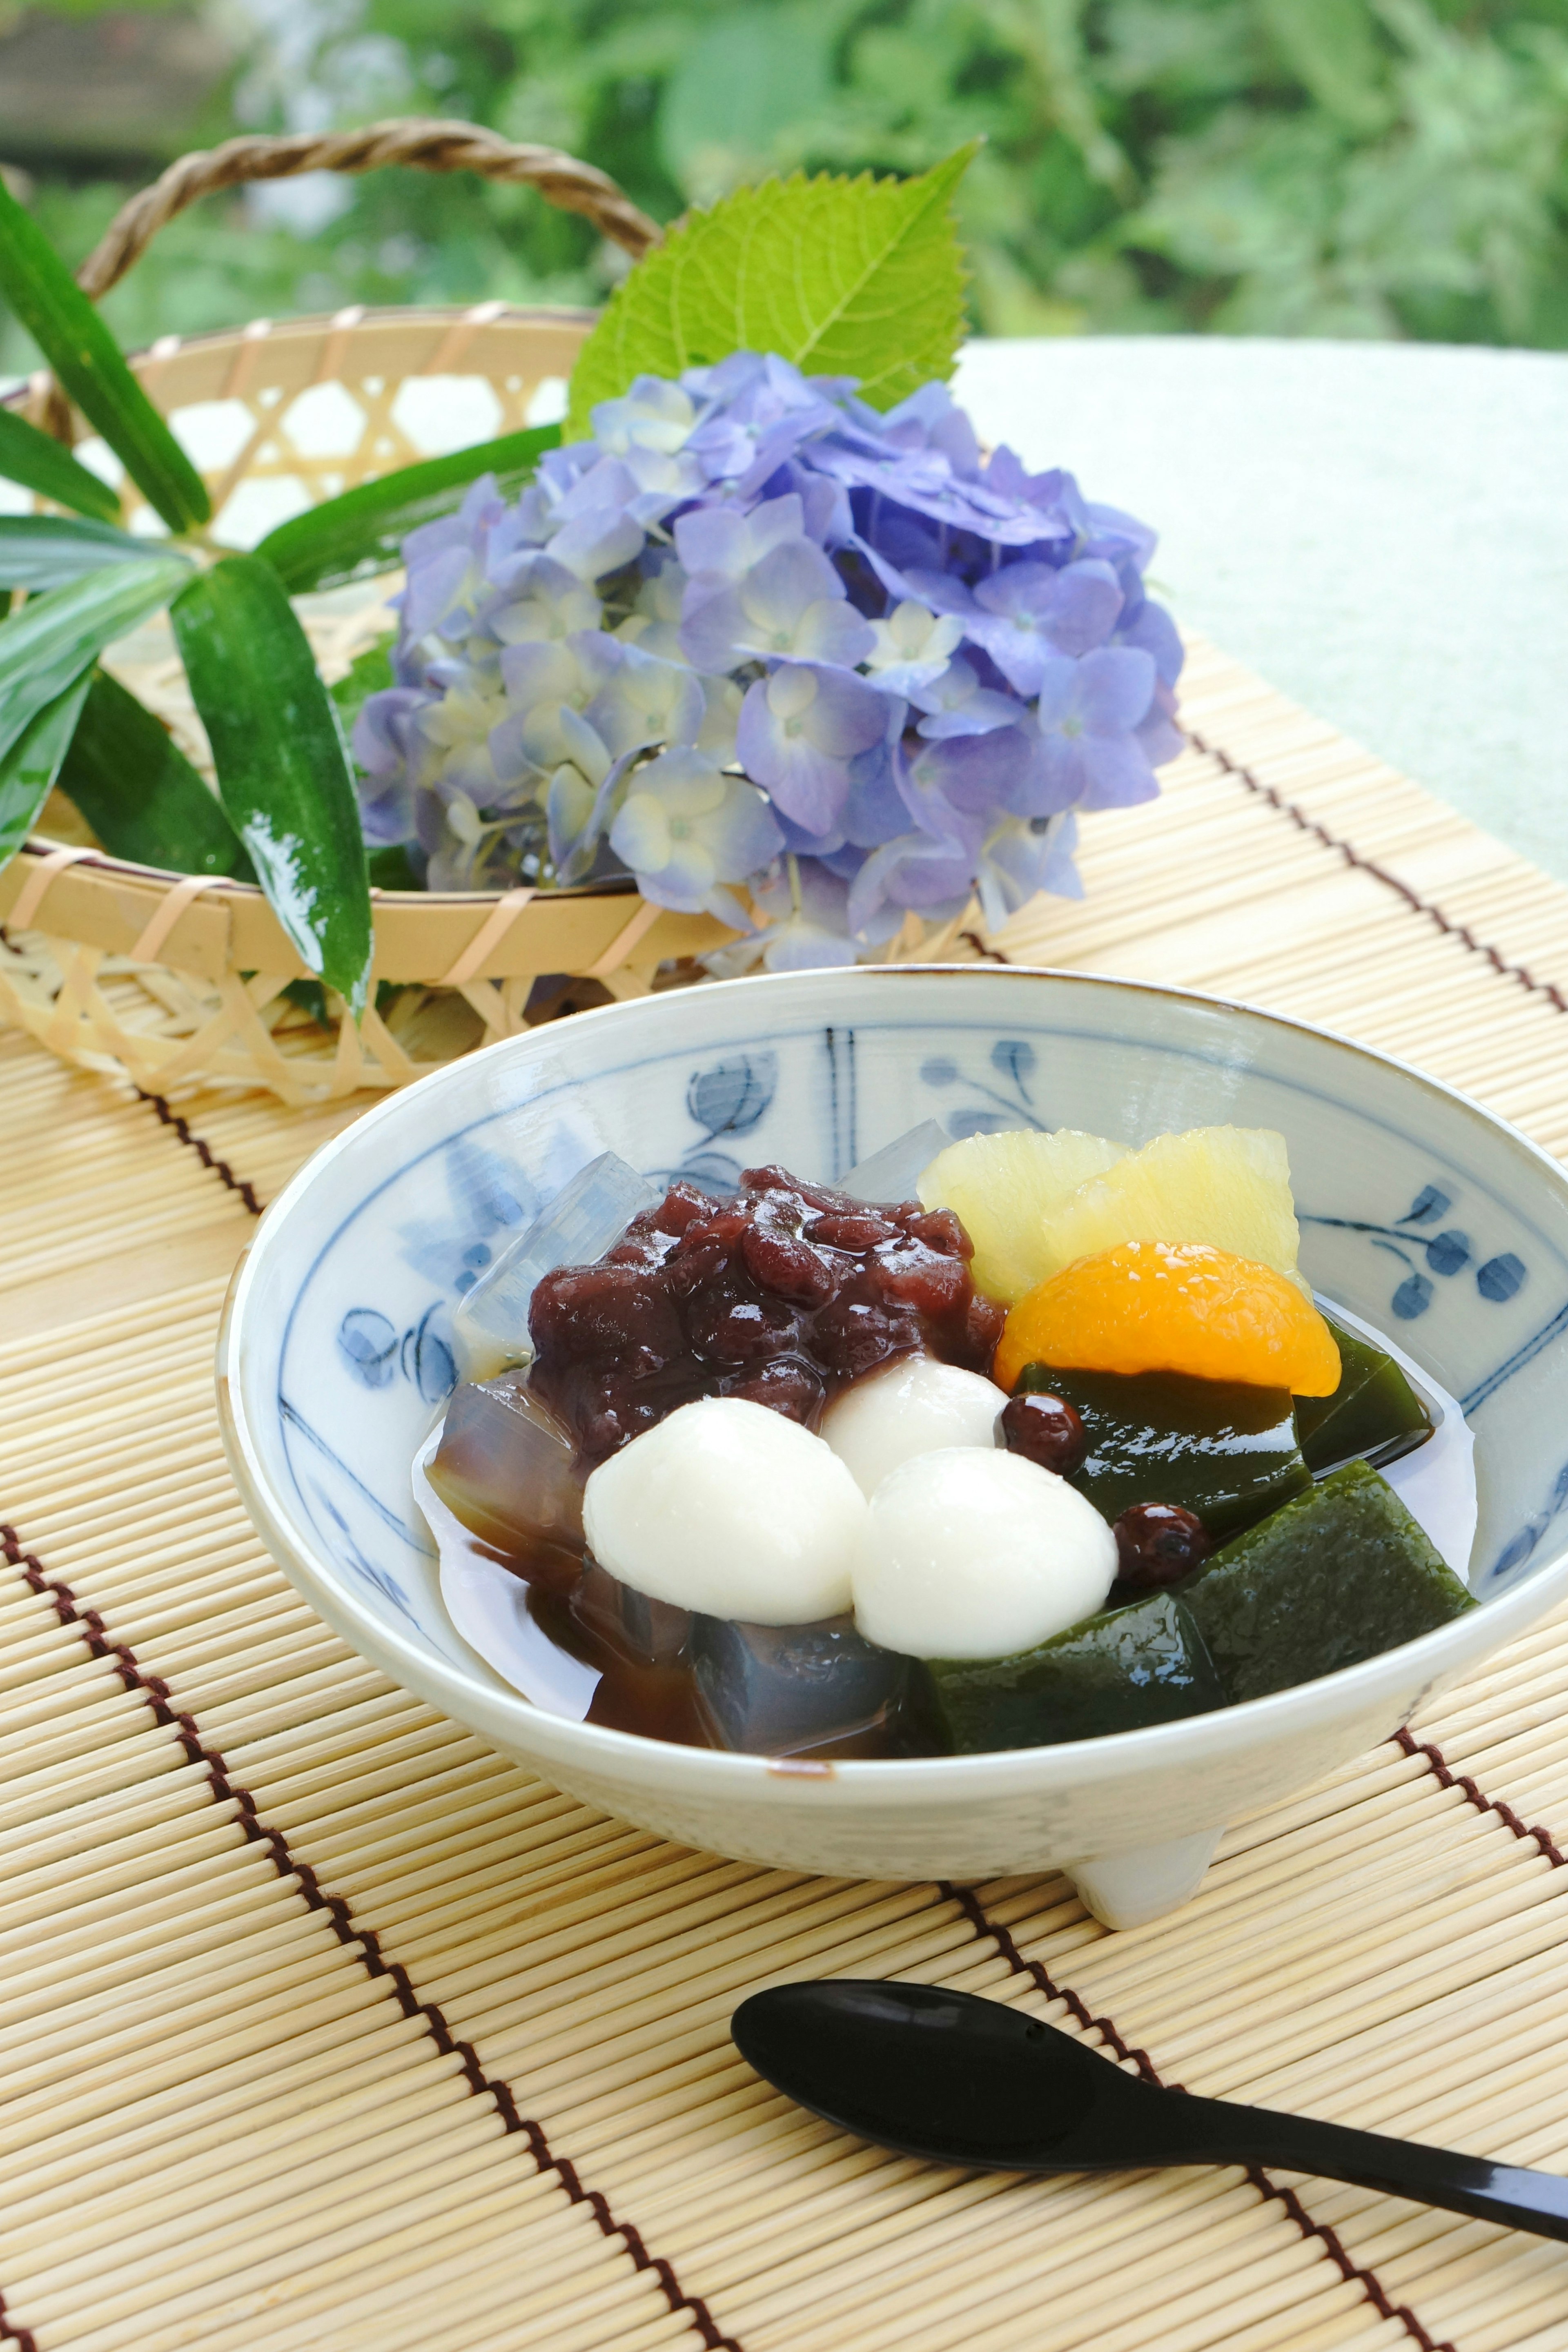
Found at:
[1116, 1672]
[1337, 1576]
[1225, 1451]
[1374, 1415]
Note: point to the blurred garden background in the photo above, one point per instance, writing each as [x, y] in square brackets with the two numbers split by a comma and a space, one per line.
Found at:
[1394, 169]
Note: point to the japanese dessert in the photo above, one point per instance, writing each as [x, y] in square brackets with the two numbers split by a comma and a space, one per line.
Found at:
[1061, 1446]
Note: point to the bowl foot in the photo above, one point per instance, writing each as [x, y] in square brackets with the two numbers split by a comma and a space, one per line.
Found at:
[1142, 1882]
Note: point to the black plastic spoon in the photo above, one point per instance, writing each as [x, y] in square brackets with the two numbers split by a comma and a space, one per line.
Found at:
[964, 2081]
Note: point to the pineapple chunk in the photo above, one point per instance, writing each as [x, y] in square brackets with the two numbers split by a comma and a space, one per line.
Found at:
[1004, 1187]
[1228, 1186]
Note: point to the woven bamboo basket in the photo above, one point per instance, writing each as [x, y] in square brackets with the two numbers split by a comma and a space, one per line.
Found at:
[177, 980]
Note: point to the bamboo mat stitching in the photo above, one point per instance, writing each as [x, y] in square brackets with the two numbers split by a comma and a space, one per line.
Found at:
[168, 1117]
[360, 1942]
[1352, 856]
[22, 2337]
[1437, 1765]
[364, 1946]
[1269, 2191]
[90, 1627]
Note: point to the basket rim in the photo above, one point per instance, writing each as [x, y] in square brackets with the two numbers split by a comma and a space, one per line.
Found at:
[346, 321]
[95, 861]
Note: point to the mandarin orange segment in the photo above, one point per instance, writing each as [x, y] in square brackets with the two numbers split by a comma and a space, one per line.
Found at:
[1173, 1307]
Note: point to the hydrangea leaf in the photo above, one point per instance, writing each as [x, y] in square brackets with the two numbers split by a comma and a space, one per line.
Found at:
[862, 277]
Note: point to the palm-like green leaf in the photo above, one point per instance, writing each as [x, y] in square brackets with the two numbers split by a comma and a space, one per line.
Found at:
[82, 352]
[32, 762]
[140, 795]
[364, 530]
[283, 769]
[56, 638]
[862, 277]
[46, 551]
[31, 458]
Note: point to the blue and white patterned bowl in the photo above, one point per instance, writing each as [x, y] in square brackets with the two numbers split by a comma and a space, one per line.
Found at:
[1420, 1212]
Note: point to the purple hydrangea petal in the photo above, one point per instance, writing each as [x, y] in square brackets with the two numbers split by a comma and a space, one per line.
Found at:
[546, 600]
[1117, 537]
[1152, 629]
[874, 808]
[1021, 857]
[717, 541]
[798, 731]
[684, 827]
[380, 730]
[1116, 773]
[956, 703]
[791, 605]
[934, 416]
[645, 701]
[971, 775]
[600, 541]
[654, 415]
[1113, 688]
[913, 872]
[1158, 733]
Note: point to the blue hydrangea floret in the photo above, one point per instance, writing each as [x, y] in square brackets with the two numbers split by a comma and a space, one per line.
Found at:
[754, 637]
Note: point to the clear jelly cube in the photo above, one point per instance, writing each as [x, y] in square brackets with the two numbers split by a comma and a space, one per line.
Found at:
[587, 1217]
[892, 1173]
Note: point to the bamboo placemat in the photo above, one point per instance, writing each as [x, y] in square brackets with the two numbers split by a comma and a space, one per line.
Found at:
[321, 2028]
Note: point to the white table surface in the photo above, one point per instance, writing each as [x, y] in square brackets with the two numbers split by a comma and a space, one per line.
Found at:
[1380, 529]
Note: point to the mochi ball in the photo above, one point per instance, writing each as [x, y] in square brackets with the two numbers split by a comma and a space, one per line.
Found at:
[976, 1553]
[727, 1508]
[913, 1406]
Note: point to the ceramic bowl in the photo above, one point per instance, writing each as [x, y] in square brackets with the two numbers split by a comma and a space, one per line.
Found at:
[1420, 1212]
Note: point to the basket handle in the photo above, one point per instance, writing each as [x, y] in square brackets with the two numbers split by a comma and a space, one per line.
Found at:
[419, 142]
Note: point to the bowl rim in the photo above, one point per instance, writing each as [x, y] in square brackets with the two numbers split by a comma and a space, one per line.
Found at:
[1429, 1658]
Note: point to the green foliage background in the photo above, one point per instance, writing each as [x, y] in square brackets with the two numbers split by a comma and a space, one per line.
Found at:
[1283, 167]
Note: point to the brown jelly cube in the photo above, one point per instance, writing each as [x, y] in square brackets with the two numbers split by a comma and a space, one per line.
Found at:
[508, 1469]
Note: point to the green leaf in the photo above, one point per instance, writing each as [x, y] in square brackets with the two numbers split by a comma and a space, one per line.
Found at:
[140, 795]
[752, 75]
[391, 868]
[38, 463]
[283, 769]
[364, 530]
[46, 551]
[860, 278]
[56, 638]
[28, 769]
[1332, 46]
[82, 352]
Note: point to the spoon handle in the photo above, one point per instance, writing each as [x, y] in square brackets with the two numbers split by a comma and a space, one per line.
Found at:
[1506, 2193]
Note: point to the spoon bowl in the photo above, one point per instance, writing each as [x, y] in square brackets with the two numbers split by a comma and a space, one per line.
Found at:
[946, 2075]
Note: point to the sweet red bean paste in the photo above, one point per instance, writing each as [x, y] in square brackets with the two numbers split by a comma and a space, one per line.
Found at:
[782, 1294]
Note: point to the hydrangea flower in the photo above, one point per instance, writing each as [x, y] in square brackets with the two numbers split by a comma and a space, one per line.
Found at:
[685, 828]
[755, 636]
